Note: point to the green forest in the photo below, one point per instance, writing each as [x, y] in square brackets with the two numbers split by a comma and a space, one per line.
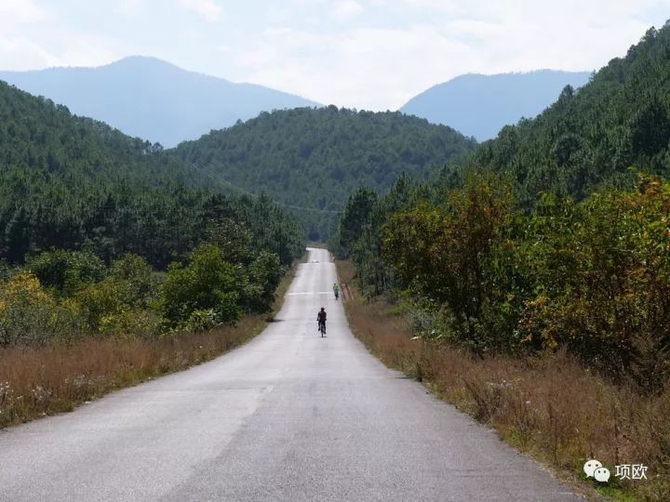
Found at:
[80, 202]
[314, 157]
[593, 135]
[553, 236]
[103, 233]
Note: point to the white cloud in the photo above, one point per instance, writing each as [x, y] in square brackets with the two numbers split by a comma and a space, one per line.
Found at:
[131, 8]
[365, 68]
[373, 54]
[381, 67]
[83, 49]
[20, 53]
[16, 13]
[345, 10]
[208, 9]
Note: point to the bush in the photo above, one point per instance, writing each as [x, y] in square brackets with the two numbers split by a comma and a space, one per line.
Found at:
[207, 282]
[608, 302]
[66, 271]
[140, 283]
[120, 303]
[200, 320]
[29, 315]
[263, 277]
[455, 254]
[138, 323]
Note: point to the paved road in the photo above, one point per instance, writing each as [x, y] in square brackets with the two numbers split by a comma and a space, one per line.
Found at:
[289, 416]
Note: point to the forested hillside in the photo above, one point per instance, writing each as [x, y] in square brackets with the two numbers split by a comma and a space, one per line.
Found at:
[551, 244]
[526, 252]
[72, 183]
[88, 216]
[495, 265]
[315, 157]
[590, 136]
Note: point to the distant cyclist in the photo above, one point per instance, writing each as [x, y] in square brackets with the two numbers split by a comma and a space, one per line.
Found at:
[336, 290]
[321, 319]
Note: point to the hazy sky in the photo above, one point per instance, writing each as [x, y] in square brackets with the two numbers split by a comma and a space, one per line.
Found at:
[365, 54]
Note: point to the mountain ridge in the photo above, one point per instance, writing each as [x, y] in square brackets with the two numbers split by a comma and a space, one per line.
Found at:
[313, 157]
[480, 105]
[153, 99]
[596, 135]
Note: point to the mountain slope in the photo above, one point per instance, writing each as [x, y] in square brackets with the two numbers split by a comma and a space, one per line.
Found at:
[72, 182]
[621, 118]
[152, 99]
[480, 105]
[315, 157]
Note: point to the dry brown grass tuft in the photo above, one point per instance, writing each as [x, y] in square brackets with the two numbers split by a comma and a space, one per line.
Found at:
[549, 406]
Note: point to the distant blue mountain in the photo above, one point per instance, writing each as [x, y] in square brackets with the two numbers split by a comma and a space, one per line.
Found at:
[152, 99]
[480, 105]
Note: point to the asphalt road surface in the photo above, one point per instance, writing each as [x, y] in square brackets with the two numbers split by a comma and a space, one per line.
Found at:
[289, 416]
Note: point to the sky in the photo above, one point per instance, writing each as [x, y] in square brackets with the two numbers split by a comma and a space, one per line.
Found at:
[363, 54]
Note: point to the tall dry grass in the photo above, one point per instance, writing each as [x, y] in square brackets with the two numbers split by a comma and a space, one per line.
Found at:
[39, 381]
[549, 407]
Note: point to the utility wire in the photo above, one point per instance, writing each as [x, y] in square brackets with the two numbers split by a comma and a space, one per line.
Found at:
[217, 177]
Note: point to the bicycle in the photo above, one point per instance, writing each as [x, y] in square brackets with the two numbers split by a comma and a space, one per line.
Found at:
[322, 328]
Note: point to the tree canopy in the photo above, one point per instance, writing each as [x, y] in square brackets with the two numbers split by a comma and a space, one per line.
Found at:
[592, 135]
[553, 236]
[314, 157]
[73, 183]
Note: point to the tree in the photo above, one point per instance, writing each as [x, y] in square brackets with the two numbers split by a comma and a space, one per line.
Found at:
[455, 255]
[356, 213]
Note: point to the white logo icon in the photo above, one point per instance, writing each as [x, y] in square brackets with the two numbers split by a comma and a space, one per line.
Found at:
[591, 466]
[594, 469]
[602, 474]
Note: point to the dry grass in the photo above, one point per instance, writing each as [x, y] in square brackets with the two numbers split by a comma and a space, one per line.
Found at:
[45, 380]
[39, 381]
[549, 407]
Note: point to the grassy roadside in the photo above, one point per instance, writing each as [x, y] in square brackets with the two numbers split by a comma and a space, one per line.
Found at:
[548, 407]
[40, 381]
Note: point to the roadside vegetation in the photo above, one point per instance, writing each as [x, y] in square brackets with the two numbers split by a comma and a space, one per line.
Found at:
[548, 405]
[531, 284]
[116, 263]
[73, 327]
[58, 374]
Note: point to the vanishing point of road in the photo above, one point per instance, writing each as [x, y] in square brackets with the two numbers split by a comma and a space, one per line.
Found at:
[289, 416]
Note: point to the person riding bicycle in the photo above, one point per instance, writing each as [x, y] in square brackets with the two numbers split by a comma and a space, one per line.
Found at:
[336, 290]
[321, 319]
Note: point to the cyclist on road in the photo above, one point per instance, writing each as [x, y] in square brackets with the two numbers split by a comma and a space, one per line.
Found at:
[336, 290]
[321, 318]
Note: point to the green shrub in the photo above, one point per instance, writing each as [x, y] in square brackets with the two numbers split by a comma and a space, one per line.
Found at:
[604, 292]
[141, 286]
[200, 320]
[66, 271]
[207, 282]
[262, 278]
[30, 315]
[110, 304]
[139, 323]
